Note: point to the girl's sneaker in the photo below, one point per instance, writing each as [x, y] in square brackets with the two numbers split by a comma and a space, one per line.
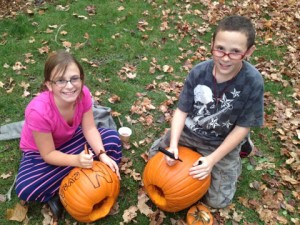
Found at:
[56, 207]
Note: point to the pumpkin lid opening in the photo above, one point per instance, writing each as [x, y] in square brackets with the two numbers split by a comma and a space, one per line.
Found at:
[101, 209]
[158, 196]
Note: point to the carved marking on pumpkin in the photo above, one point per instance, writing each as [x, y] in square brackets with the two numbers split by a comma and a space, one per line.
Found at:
[70, 181]
[94, 174]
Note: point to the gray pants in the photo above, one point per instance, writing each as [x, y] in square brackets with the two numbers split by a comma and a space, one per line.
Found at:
[224, 174]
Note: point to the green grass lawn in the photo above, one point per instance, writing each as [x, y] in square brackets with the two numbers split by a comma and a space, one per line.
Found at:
[154, 40]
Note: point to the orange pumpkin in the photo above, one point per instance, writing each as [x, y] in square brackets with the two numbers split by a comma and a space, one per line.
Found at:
[89, 194]
[199, 215]
[171, 188]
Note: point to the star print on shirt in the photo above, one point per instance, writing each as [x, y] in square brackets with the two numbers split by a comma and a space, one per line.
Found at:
[225, 102]
[235, 93]
[213, 123]
[227, 124]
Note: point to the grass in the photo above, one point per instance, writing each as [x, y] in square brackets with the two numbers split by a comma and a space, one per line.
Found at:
[130, 46]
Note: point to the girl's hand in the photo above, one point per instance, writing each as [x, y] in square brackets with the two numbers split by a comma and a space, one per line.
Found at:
[170, 161]
[201, 171]
[111, 163]
[85, 160]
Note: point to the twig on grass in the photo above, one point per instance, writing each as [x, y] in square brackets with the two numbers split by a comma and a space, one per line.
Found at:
[58, 32]
[8, 194]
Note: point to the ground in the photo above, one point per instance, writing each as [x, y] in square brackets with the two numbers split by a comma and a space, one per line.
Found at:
[8, 8]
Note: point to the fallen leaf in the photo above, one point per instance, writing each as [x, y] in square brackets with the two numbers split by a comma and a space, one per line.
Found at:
[142, 200]
[18, 213]
[114, 98]
[2, 198]
[121, 8]
[129, 214]
[5, 176]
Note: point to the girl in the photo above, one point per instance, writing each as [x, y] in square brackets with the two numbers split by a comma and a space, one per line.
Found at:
[58, 123]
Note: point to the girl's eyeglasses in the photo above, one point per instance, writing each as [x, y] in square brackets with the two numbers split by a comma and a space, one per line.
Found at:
[62, 83]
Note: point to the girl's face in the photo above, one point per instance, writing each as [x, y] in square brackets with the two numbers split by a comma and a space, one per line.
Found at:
[230, 42]
[66, 87]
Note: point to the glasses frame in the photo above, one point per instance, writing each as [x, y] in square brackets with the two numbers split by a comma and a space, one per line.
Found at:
[242, 55]
[73, 79]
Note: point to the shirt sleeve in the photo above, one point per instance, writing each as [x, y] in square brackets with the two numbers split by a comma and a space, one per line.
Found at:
[252, 114]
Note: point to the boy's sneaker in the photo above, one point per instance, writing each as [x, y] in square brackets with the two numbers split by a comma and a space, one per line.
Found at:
[246, 148]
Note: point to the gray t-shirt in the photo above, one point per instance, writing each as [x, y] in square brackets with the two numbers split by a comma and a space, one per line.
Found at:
[215, 108]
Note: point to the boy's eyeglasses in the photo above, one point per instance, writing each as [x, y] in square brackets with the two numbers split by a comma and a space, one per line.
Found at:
[231, 55]
[63, 83]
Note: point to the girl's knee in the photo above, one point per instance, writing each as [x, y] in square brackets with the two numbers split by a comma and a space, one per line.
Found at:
[109, 135]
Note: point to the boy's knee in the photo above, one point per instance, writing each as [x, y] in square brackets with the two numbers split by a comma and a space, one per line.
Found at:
[218, 199]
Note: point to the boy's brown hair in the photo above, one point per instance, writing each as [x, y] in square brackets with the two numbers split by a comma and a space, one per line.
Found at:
[239, 24]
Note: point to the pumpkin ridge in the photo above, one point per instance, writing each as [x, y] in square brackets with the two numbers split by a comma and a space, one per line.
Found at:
[76, 204]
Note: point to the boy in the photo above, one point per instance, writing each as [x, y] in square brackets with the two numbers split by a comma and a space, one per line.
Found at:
[221, 99]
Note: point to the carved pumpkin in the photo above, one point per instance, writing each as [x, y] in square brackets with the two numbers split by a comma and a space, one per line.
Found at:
[89, 194]
[199, 215]
[171, 188]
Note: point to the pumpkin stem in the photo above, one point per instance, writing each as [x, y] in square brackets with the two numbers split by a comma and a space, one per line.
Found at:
[200, 216]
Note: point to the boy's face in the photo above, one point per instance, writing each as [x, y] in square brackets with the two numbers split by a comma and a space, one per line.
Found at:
[230, 42]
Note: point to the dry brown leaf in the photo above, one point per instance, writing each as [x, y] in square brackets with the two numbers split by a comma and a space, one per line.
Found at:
[47, 214]
[91, 9]
[63, 32]
[18, 213]
[121, 8]
[157, 217]
[2, 198]
[67, 44]
[142, 200]
[44, 50]
[129, 214]
[114, 98]
[136, 176]
[144, 155]
[5, 176]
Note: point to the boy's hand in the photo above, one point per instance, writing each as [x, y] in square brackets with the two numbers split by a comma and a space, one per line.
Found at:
[85, 160]
[170, 161]
[201, 171]
[111, 163]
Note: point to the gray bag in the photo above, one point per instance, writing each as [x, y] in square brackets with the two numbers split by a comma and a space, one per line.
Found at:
[103, 117]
